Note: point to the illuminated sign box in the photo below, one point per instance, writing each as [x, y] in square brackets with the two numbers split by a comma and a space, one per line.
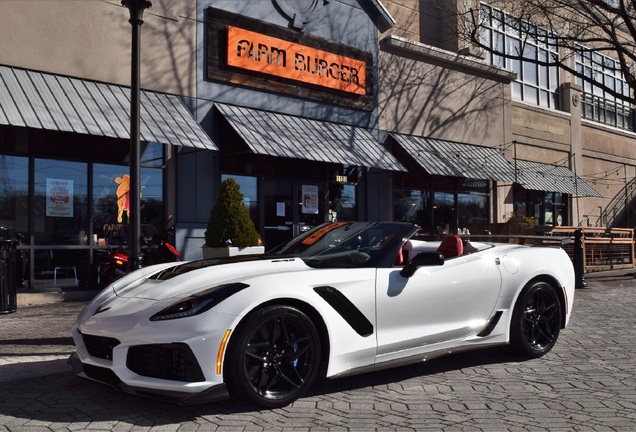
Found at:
[277, 57]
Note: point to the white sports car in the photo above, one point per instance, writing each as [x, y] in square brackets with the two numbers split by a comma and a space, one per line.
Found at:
[341, 299]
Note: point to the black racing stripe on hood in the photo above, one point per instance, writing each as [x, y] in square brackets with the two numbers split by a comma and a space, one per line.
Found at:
[347, 310]
[189, 266]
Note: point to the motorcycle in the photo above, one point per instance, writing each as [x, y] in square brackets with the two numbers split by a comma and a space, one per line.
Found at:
[113, 263]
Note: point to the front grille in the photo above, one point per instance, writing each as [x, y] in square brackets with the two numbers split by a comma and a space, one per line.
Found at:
[100, 347]
[174, 361]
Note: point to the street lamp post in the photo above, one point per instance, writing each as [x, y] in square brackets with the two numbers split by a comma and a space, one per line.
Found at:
[136, 8]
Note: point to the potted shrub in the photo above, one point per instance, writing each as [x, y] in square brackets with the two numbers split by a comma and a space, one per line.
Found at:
[230, 230]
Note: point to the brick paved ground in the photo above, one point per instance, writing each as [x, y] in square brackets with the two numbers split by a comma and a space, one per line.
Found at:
[587, 383]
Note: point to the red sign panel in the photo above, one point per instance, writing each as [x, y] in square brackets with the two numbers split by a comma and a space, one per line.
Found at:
[277, 57]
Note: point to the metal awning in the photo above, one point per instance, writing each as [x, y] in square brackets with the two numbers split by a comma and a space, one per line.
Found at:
[453, 159]
[280, 135]
[54, 102]
[552, 178]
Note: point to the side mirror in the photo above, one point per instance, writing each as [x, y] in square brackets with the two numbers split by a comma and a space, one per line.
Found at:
[424, 259]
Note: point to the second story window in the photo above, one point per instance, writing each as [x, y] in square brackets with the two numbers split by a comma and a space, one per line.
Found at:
[525, 49]
[602, 88]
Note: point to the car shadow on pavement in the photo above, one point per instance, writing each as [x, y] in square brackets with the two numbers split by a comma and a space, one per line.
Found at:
[62, 397]
[439, 365]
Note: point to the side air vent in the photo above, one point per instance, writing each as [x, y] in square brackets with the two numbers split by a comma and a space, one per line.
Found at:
[490, 325]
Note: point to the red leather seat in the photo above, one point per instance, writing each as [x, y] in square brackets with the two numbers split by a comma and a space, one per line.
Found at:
[451, 246]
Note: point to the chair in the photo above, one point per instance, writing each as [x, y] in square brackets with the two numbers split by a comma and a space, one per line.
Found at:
[451, 246]
[66, 269]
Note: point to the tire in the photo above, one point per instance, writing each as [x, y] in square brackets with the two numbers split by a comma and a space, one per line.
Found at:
[274, 357]
[536, 320]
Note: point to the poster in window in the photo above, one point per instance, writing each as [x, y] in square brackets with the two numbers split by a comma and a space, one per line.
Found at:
[280, 209]
[59, 197]
[310, 199]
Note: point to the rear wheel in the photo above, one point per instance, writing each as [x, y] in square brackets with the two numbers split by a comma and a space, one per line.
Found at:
[536, 320]
[274, 357]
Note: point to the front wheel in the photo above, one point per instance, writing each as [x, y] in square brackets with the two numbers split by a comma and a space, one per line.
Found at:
[274, 357]
[536, 320]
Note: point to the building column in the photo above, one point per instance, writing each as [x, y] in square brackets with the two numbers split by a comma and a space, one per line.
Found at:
[571, 101]
[503, 198]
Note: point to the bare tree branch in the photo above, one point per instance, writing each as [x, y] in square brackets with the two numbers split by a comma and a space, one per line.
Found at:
[607, 27]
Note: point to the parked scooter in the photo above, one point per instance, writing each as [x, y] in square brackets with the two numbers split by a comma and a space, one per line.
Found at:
[113, 262]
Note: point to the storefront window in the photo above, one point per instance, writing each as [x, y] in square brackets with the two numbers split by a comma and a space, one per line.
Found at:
[60, 210]
[444, 212]
[342, 202]
[73, 205]
[153, 155]
[473, 213]
[547, 208]
[412, 205]
[440, 212]
[311, 206]
[14, 190]
[111, 184]
[60, 218]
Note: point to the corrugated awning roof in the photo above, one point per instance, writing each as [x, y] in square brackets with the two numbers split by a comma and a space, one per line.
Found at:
[452, 159]
[280, 135]
[552, 178]
[53, 102]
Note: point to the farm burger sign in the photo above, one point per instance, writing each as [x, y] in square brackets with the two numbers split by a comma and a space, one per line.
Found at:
[277, 57]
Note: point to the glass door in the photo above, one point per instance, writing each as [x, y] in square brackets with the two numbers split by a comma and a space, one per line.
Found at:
[278, 220]
[290, 208]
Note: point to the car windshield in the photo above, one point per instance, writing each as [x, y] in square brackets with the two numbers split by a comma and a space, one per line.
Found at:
[348, 244]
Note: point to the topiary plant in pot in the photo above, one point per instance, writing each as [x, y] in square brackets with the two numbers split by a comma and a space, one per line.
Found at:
[230, 230]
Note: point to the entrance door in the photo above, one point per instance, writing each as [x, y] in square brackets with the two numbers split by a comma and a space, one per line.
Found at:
[290, 208]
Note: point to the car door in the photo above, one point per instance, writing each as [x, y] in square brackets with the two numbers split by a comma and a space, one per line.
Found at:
[436, 304]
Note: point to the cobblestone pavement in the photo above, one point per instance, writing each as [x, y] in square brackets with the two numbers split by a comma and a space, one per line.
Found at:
[587, 383]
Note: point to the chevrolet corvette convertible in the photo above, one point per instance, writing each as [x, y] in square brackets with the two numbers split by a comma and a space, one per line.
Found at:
[343, 298]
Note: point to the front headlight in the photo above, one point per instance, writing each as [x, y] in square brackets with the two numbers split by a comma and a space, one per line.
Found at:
[198, 303]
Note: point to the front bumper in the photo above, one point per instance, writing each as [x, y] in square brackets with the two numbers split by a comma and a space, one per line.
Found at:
[106, 376]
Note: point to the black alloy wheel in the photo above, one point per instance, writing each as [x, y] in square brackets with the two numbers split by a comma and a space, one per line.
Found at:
[274, 357]
[536, 320]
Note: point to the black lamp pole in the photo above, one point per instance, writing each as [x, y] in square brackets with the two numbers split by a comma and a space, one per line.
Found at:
[136, 8]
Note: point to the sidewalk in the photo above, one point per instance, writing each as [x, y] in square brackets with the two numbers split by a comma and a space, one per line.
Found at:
[611, 278]
[27, 297]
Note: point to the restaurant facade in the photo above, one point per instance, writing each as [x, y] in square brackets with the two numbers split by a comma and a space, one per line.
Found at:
[315, 121]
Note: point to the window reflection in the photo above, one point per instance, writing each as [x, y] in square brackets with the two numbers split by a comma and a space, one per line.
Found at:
[342, 202]
[111, 206]
[60, 202]
[440, 213]
[72, 206]
[14, 189]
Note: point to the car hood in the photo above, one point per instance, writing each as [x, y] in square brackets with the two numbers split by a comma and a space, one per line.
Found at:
[183, 279]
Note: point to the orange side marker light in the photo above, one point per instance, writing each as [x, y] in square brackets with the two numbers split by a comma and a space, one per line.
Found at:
[219, 357]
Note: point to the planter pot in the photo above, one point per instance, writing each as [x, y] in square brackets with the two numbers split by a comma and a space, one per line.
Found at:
[221, 252]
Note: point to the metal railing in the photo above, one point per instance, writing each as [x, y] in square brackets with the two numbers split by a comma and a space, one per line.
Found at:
[604, 111]
[586, 218]
[604, 248]
[619, 205]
